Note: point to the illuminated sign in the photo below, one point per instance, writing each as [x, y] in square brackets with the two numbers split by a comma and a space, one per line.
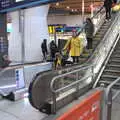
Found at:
[53, 27]
[10, 5]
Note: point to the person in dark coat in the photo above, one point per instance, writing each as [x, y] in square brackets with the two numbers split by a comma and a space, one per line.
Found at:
[4, 60]
[53, 49]
[108, 6]
[44, 48]
[89, 31]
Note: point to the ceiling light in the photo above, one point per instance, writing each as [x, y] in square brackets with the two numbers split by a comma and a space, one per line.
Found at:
[68, 7]
[57, 4]
[75, 10]
[72, 10]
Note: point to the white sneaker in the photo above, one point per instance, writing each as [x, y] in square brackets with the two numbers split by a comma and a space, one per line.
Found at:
[106, 20]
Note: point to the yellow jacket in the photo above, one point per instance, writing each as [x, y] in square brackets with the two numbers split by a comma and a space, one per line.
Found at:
[75, 45]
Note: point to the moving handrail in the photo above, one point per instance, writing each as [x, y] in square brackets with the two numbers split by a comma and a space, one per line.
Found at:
[75, 83]
[109, 97]
[65, 74]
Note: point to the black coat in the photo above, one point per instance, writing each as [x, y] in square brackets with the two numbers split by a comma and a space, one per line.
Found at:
[53, 47]
[108, 3]
[44, 47]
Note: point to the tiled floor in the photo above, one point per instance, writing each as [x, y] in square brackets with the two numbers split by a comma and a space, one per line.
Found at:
[20, 110]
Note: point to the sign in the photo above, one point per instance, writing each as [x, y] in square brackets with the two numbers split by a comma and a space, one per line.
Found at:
[53, 27]
[88, 109]
[19, 76]
[10, 5]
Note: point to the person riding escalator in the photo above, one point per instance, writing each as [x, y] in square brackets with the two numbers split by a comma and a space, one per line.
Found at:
[74, 46]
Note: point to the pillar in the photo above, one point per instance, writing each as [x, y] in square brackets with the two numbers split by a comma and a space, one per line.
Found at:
[35, 30]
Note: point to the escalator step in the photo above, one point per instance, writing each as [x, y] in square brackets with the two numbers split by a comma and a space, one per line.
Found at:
[113, 67]
[113, 60]
[111, 72]
[116, 71]
[109, 76]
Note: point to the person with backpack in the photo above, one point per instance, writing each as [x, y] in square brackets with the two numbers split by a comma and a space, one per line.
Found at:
[53, 49]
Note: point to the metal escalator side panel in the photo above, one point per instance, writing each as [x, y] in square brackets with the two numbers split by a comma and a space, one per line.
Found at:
[39, 90]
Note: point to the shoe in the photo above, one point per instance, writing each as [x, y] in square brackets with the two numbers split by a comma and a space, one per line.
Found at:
[109, 19]
[106, 20]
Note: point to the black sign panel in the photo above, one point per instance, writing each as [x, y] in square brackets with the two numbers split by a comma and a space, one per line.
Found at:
[10, 5]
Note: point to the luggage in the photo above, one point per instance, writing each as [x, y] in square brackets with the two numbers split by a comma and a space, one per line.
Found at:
[115, 7]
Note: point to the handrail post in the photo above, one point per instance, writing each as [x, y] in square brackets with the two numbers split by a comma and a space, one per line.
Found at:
[109, 105]
[93, 72]
[77, 85]
[54, 103]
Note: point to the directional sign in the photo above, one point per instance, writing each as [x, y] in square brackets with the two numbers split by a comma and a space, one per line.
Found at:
[10, 5]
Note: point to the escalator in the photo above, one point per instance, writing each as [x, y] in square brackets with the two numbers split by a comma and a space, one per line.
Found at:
[40, 94]
[96, 40]
[111, 70]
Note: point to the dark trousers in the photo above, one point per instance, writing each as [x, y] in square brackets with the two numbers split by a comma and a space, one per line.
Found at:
[75, 59]
[44, 55]
[52, 55]
[108, 12]
[89, 43]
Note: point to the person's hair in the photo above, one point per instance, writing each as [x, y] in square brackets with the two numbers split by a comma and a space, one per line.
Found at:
[88, 19]
[44, 39]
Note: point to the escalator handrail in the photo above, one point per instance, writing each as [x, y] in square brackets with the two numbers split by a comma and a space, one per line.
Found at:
[97, 47]
[87, 63]
[65, 74]
[16, 67]
[103, 40]
[9, 68]
[109, 87]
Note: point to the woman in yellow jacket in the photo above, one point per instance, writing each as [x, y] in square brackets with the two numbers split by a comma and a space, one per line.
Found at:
[74, 45]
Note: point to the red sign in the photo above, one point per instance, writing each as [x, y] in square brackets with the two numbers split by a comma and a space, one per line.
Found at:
[88, 109]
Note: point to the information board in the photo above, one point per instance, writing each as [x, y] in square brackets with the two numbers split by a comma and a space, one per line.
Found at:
[10, 5]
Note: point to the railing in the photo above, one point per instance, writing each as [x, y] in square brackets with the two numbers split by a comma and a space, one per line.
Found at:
[98, 56]
[16, 77]
[109, 97]
[77, 78]
[105, 62]
[100, 53]
[10, 79]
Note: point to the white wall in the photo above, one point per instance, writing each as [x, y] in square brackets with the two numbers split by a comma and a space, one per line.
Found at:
[35, 30]
[14, 50]
[70, 20]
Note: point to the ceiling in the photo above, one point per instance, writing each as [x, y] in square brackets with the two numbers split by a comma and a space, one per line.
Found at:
[75, 6]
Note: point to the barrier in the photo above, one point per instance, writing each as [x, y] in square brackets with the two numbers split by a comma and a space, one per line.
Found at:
[88, 109]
